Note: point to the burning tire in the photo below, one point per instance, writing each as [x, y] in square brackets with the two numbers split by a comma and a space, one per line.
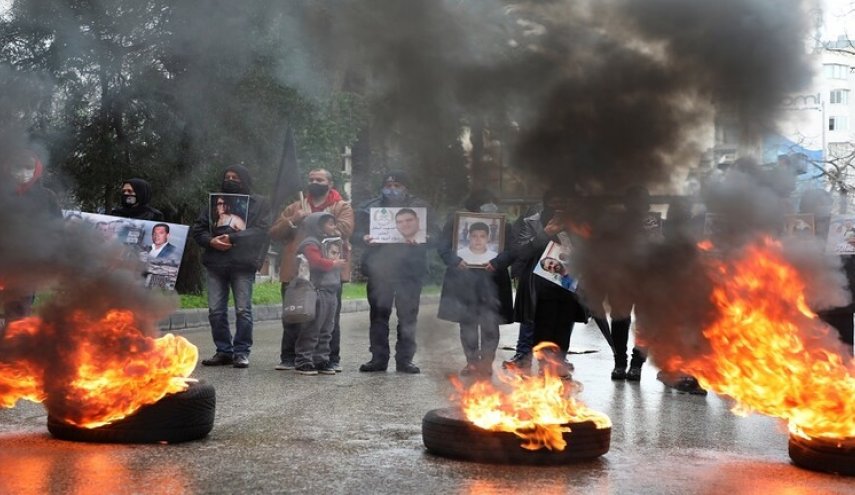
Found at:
[823, 455]
[180, 417]
[446, 433]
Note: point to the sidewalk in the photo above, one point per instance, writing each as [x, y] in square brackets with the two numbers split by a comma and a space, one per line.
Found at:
[185, 319]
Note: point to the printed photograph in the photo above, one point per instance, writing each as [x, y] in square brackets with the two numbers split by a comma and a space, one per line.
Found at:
[159, 245]
[841, 235]
[799, 226]
[555, 266]
[228, 212]
[652, 225]
[398, 225]
[332, 248]
[478, 237]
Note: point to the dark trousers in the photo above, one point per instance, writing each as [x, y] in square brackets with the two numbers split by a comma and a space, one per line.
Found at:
[313, 340]
[291, 330]
[552, 323]
[480, 340]
[405, 295]
[620, 338]
[525, 339]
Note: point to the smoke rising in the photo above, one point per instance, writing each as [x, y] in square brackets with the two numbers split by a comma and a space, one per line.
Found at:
[606, 94]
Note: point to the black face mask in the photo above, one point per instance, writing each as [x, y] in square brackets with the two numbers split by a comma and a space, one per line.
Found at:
[317, 190]
[231, 186]
[129, 200]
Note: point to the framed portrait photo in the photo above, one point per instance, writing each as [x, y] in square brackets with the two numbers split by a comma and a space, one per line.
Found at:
[799, 226]
[228, 212]
[398, 225]
[841, 235]
[478, 237]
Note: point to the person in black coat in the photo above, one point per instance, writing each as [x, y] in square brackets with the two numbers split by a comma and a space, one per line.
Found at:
[231, 258]
[479, 299]
[819, 203]
[395, 275]
[21, 186]
[136, 195]
[552, 309]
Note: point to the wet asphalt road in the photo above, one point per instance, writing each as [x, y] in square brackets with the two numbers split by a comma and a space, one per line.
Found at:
[279, 432]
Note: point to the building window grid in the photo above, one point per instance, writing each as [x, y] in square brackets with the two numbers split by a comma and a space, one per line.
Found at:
[836, 71]
[838, 123]
[839, 96]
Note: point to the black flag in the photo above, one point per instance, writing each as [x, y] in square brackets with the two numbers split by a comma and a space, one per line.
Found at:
[288, 182]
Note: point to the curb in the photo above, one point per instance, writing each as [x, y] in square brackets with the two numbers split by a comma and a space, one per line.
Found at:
[187, 319]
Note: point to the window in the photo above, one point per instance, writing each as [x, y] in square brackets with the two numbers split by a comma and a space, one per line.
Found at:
[836, 71]
[838, 124]
[839, 96]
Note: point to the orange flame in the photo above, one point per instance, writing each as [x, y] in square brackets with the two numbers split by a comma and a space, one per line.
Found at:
[536, 409]
[770, 352]
[110, 370]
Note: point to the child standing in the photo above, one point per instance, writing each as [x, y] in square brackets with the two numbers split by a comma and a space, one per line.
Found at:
[319, 247]
[479, 299]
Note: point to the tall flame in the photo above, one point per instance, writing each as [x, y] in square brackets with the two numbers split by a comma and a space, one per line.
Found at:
[770, 352]
[536, 409]
[109, 371]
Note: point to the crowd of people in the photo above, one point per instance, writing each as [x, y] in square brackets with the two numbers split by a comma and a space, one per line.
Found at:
[485, 265]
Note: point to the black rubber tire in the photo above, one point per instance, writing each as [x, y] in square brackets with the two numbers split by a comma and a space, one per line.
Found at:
[824, 456]
[446, 433]
[180, 417]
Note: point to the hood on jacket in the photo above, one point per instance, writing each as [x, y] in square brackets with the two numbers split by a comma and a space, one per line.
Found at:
[245, 177]
[313, 222]
[142, 189]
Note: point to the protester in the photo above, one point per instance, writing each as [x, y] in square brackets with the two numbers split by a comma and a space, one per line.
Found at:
[682, 227]
[525, 337]
[617, 230]
[313, 338]
[232, 258]
[395, 274]
[22, 179]
[135, 197]
[320, 197]
[819, 203]
[478, 299]
[549, 308]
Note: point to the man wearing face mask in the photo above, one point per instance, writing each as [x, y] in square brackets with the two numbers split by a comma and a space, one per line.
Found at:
[395, 274]
[231, 258]
[136, 194]
[287, 229]
[23, 172]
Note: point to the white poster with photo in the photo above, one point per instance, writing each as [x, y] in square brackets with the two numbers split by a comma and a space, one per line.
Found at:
[554, 264]
[398, 225]
[159, 245]
[841, 235]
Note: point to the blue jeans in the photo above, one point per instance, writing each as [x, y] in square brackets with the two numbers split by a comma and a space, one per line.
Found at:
[240, 282]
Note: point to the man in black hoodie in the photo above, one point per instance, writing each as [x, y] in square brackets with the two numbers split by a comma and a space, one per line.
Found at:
[231, 258]
[136, 194]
